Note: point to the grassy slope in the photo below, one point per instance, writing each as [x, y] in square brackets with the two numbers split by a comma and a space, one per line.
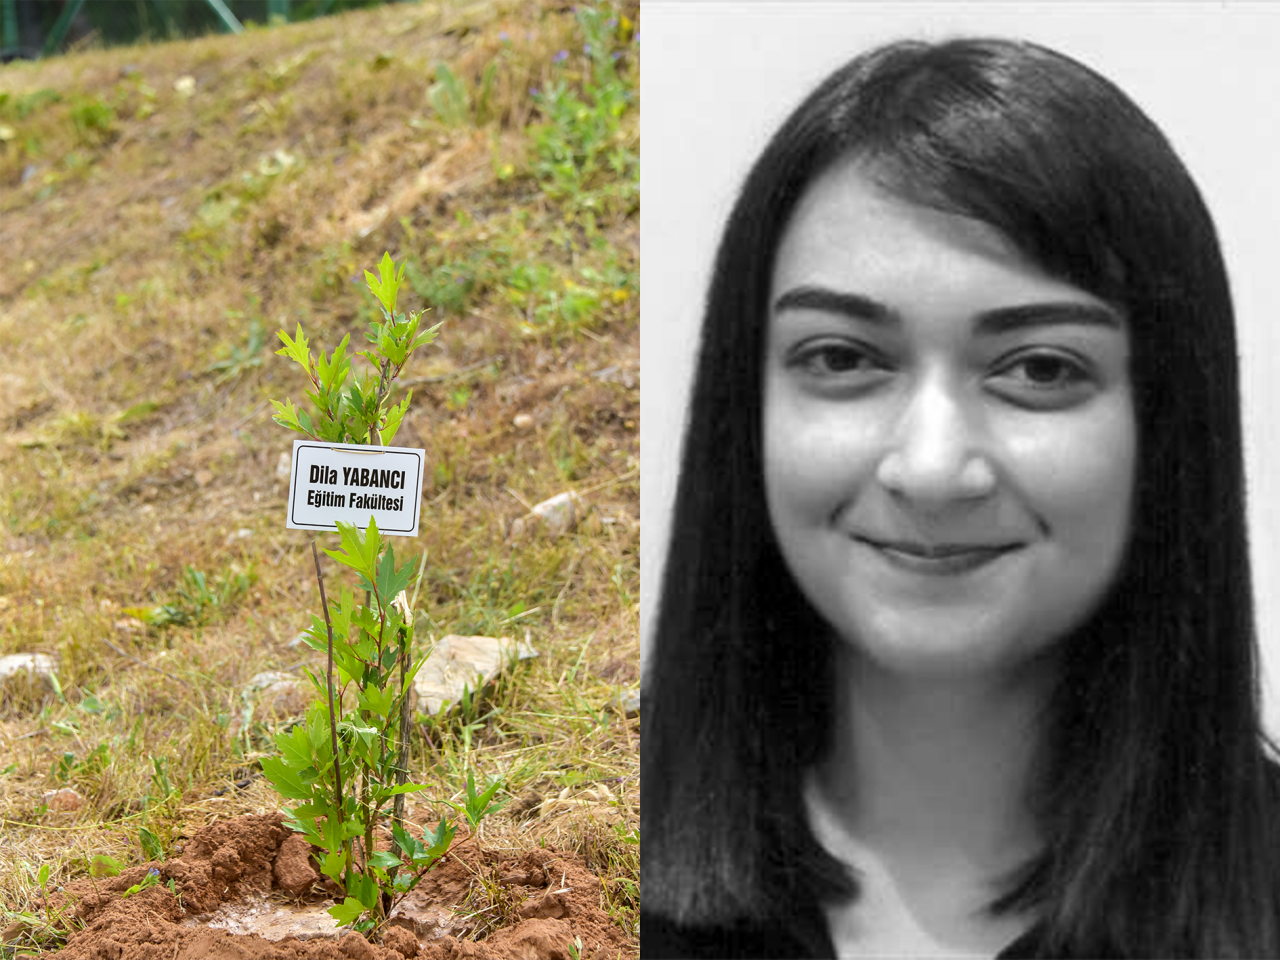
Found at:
[163, 230]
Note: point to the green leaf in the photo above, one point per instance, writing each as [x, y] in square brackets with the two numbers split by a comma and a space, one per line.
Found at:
[390, 580]
[347, 912]
[334, 830]
[150, 880]
[42, 876]
[333, 372]
[477, 807]
[288, 783]
[152, 848]
[296, 349]
[426, 336]
[105, 866]
[331, 865]
[287, 416]
[404, 788]
[295, 748]
[384, 859]
[376, 701]
[410, 845]
[359, 551]
[386, 285]
[439, 843]
[395, 416]
[310, 832]
[365, 889]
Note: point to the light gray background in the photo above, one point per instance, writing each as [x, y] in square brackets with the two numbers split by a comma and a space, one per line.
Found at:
[717, 78]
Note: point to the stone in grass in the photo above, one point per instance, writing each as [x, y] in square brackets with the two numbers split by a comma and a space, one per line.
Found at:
[457, 663]
[37, 666]
[626, 701]
[278, 694]
[557, 515]
[299, 641]
[65, 800]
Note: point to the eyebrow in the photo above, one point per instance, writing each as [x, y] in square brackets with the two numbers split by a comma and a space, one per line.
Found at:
[1000, 320]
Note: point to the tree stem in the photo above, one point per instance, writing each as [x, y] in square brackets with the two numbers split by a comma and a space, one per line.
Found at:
[333, 720]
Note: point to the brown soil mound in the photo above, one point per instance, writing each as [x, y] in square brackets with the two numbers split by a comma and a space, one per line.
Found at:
[537, 905]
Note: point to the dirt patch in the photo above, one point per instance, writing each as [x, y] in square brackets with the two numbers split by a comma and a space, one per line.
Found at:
[534, 905]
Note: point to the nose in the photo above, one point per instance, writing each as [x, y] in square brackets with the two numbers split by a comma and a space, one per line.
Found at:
[936, 453]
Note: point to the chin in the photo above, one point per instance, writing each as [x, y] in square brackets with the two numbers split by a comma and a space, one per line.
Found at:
[944, 646]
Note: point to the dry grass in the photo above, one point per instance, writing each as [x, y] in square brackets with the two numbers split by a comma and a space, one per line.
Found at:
[154, 241]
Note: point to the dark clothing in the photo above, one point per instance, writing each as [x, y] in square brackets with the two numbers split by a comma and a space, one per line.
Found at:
[805, 937]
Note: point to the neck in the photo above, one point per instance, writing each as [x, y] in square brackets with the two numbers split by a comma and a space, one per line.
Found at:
[935, 770]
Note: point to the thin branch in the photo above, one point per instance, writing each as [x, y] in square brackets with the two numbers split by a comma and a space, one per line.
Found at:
[333, 721]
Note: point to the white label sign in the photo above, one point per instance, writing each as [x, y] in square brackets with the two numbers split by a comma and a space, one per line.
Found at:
[351, 483]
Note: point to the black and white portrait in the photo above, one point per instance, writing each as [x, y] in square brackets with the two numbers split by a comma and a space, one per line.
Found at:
[960, 484]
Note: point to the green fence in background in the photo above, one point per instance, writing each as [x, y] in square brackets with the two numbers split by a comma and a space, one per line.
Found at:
[41, 28]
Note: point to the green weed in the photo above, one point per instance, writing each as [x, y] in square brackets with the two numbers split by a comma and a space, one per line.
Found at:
[452, 101]
[241, 359]
[585, 159]
[94, 121]
[196, 601]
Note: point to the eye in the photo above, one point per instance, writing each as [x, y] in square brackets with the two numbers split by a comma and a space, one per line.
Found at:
[1044, 378]
[837, 361]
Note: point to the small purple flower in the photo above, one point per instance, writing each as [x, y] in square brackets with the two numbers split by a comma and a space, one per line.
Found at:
[533, 91]
[613, 22]
[561, 56]
[586, 48]
[616, 55]
[503, 36]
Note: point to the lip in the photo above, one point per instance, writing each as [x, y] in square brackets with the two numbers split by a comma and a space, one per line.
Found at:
[938, 559]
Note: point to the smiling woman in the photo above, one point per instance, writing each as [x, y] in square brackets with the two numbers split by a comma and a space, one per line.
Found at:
[954, 652]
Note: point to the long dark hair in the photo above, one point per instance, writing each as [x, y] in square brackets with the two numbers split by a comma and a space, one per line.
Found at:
[1157, 800]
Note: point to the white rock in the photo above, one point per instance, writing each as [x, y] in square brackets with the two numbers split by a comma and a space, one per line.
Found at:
[560, 513]
[284, 698]
[523, 421]
[284, 467]
[627, 701]
[427, 920]
[457, 663]
[277, 695]
[37, 664]
[65, 800]
[299, 641]
[271, 921]
[261, 681]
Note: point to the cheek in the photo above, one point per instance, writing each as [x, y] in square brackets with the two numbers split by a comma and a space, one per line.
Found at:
[815, 459]
[1077, 474]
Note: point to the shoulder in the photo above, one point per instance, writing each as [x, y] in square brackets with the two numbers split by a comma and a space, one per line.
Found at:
[664, 939]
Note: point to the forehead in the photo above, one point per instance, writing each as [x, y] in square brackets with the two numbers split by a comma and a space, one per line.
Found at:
[849, 232]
